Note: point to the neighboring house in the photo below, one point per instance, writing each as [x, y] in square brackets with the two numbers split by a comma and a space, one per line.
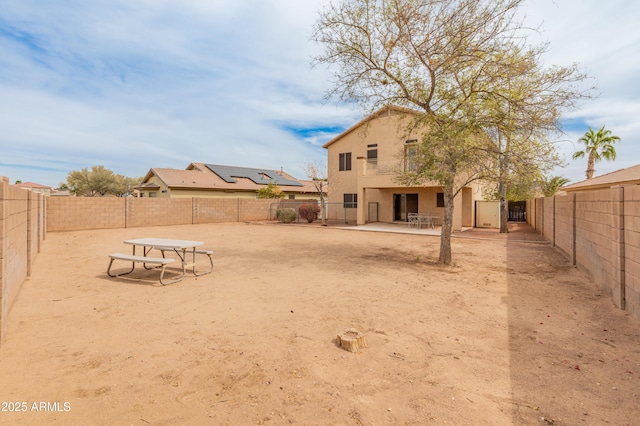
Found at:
[35, 187]
[214, 180]
[363, 163]
[625, 177]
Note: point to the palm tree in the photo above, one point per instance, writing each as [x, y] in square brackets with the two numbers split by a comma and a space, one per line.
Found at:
[550, 186]
[598, 145]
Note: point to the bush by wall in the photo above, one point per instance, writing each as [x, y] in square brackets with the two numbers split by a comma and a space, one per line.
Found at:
[286, 215]
[309, 211]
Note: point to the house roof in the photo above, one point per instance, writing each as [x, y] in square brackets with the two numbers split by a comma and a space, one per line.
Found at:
[203, 176]
[628, 176]
[260, 176]
[31, 185]
[384, 110]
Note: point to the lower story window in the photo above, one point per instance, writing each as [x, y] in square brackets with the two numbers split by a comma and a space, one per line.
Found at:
[350, 201]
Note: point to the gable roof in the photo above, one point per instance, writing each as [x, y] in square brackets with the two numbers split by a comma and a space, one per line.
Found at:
[389, 109]
[31, 185]
[201, 176]
[628, 176]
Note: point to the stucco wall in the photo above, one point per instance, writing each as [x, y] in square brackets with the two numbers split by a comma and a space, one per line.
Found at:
[599, 231]
[376, 182]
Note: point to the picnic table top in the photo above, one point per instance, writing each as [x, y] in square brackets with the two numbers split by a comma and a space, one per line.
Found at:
[164, 243]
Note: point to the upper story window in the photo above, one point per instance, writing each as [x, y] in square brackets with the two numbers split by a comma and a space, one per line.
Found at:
[344, 161]
[410, 155]
[372, 153]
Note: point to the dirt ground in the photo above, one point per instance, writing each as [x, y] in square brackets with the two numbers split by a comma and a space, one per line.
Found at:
[511, 334]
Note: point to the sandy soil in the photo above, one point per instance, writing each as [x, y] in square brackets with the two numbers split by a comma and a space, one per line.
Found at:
[509, 335]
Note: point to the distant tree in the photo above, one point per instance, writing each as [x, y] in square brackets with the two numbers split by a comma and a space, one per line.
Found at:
[317, 172]
[18, 182]
[598, 145]
[550, 186]
[124, 185]
[272, 190]
[98, 182]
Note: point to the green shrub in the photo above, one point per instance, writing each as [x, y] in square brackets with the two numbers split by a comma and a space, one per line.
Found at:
[309, 211]
[286, 215]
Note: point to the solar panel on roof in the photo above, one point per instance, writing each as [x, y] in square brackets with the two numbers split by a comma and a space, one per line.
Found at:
[259, 176]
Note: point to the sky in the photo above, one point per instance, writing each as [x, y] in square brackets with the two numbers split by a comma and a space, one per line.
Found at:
[138, 84]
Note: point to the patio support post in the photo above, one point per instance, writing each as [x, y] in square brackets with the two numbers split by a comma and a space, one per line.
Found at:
[362, 206]
[361, 165]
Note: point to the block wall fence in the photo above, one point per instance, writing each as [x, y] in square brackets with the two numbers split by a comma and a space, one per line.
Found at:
[81, 213]
[22, 230]
[599, 231]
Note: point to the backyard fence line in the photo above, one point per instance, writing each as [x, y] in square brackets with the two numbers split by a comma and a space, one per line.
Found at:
[22, 230]
[599, 232]
[83, 213]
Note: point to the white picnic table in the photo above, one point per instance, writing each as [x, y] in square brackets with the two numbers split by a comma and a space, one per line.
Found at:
[180, 247]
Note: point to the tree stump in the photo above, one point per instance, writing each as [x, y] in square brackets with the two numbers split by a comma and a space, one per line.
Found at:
[352, 340]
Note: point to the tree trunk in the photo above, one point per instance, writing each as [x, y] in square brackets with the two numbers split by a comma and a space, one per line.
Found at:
[591, 163]
[447, 225]
[504, 209]
[322, 212]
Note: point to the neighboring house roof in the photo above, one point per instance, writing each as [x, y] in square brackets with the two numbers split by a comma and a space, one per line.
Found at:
[628, 176]
[260, 176]
[212, 176]
[32, 185]
[384, 110]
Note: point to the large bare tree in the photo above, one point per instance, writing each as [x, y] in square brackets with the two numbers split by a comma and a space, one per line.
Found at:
[465, 68]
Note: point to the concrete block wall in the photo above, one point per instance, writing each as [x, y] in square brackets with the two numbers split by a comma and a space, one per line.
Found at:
[594, 235]
[81, 213]
[158, 211]
[21, 231]
[548, 207]
[254, 210]
[631, 239]
[213, 210]
[563, 223]
[599, 231]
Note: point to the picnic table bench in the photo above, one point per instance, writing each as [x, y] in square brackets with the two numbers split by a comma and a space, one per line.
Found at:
[179, 247]
[162, 261]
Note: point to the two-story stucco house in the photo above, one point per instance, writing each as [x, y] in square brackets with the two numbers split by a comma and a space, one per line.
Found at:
[363, 163]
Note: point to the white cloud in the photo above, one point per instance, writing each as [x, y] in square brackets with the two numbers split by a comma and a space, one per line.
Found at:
[138, 84]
